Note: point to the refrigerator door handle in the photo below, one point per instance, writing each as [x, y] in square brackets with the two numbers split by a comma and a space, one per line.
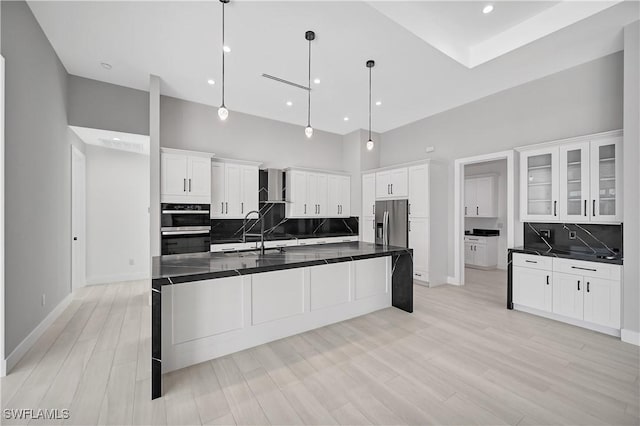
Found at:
[386, 228]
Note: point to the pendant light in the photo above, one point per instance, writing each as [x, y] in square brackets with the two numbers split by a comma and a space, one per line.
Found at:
[370, 64]
[308, 131]
[223, 112]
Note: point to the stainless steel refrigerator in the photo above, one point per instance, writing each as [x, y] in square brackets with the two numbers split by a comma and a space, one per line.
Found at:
[392, 223]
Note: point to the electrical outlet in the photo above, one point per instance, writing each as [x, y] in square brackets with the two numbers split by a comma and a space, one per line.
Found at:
[131, 262]
[573, 235]
[546, 233]
[44, 299]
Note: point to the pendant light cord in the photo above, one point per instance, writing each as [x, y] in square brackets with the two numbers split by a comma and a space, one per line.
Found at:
[223, 54]
[309, 90]
[369, 103]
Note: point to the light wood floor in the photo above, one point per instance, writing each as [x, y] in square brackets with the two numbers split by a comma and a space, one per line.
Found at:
[460, 358]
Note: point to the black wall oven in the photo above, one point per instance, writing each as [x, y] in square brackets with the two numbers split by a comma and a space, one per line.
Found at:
[185, 228]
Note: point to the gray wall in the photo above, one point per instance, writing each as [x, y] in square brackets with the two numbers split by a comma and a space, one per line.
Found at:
[189, 125]
[38, 177]
[581, 100]
[631, 190]
[106, 106]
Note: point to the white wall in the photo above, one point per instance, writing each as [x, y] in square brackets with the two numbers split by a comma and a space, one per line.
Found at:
[351, 164]
[117, 215]
[500, 168]
[581, 100]
[631, 189]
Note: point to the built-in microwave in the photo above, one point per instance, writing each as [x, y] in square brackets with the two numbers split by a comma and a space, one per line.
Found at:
[185, 228]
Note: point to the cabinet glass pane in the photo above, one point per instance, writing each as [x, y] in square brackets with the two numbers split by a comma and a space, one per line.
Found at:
[607, 180]
[539, 185]
[574, 182]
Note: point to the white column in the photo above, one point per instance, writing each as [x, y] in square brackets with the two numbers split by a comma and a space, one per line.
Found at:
[154, 163]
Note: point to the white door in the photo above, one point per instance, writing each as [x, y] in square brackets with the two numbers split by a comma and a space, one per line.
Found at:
[78, 219]
[399, 182]
[539, 188]
[218, 188]
[532, 288]
[334, 196]
[419, 242]
[602, 302]
[250, 184]
[419, 191]
[369, 195]
[568, 295]
[606, 173]
[485, 193]
[299, 199]
[345, 198]
[574, 182]
[322, 196]
[233, 190]
[368, 229]
[383, 184]
[174, 174]
[470, 197]
[199, 179]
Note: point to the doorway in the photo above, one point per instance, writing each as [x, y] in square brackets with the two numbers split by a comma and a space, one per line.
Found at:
[78, 219]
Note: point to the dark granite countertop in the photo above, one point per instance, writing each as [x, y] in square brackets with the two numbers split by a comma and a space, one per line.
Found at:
[568, 254]
[183, 268]
[280, 237]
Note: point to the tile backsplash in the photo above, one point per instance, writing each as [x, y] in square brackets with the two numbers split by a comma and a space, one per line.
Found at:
[586, 238]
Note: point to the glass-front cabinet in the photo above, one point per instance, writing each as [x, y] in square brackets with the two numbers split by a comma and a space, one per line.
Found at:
[606, 172]
[539, 184]
[572, 182]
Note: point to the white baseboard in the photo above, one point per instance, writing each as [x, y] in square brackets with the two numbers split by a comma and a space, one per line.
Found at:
[35, 334]
[116, 278]
[452, 280]
[630, 336]
[579, 323]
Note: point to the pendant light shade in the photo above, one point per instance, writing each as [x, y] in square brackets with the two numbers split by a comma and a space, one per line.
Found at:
[308, 131]
[223, 112]
[370, 64]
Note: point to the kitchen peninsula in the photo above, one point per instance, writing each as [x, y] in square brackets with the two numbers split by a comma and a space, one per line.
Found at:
[207, 305]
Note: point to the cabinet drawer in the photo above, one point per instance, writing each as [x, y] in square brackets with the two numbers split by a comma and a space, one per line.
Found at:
[280, 243]
[420, 276]
[532, 261]
[216, 248]
[588, 269]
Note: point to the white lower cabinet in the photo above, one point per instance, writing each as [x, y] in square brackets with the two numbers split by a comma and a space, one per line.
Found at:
[583, 293]
[419, 242]
[481, 252]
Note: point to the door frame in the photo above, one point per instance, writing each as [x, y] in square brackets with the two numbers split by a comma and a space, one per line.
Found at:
[458, 208]
[3, 361]
[76, 152]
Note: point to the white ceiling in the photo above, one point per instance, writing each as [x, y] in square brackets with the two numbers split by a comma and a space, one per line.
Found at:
[129, 142]
[180, 42]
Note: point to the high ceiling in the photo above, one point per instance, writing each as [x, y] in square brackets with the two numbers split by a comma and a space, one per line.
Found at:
[181, 43]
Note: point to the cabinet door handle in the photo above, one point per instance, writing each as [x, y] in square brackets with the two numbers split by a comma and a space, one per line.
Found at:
[392, 189]
[241, 208]
[587, 286]
[584, 269]
[373, 224]
[555, 208]
[477, 211]
[305, 209]
[547, 279]
[409, 226]
[388, 188]
[373, 209]
[593, 210]
[578, 285]
[189, 184]
[222, 207]
[465, 210]
[226, 205]
[409, 208]
[184, 185]
[585, 208]
[531, 261]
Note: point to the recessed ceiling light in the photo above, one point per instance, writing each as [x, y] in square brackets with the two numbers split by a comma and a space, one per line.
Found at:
[316, 80]
[346, 119]
[289, 103]
[226, 49]
[116, 139]
[487, 9]
[211, 81]
[105, 65]
[378, 103]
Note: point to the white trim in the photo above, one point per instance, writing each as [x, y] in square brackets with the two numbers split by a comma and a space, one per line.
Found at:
[35, 334]
[576, 139]
[186, 152]
[458, 212]
[630, 336]
[580, 323]
[401, 165]
[235, 161]
[452, 280]
[117, 278]
[3, 364]
[307, 169]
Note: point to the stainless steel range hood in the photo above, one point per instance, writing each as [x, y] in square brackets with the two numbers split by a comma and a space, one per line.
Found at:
[275, 186]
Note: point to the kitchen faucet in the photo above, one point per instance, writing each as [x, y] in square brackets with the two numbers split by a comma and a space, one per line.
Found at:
[261, 235]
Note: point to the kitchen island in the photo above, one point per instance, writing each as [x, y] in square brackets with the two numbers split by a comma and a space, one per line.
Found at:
[208, 305]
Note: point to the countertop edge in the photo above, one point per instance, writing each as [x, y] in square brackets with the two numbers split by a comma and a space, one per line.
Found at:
[575, 256]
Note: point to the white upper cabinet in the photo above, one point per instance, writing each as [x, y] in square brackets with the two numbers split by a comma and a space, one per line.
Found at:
[574, 182]
[577, 182]
[481, 196]
[606, 177]
[234, 189]
[369, 195]
[539, 190]
[315, 194]
[419, 191]
[185, 178]
[392, 183]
